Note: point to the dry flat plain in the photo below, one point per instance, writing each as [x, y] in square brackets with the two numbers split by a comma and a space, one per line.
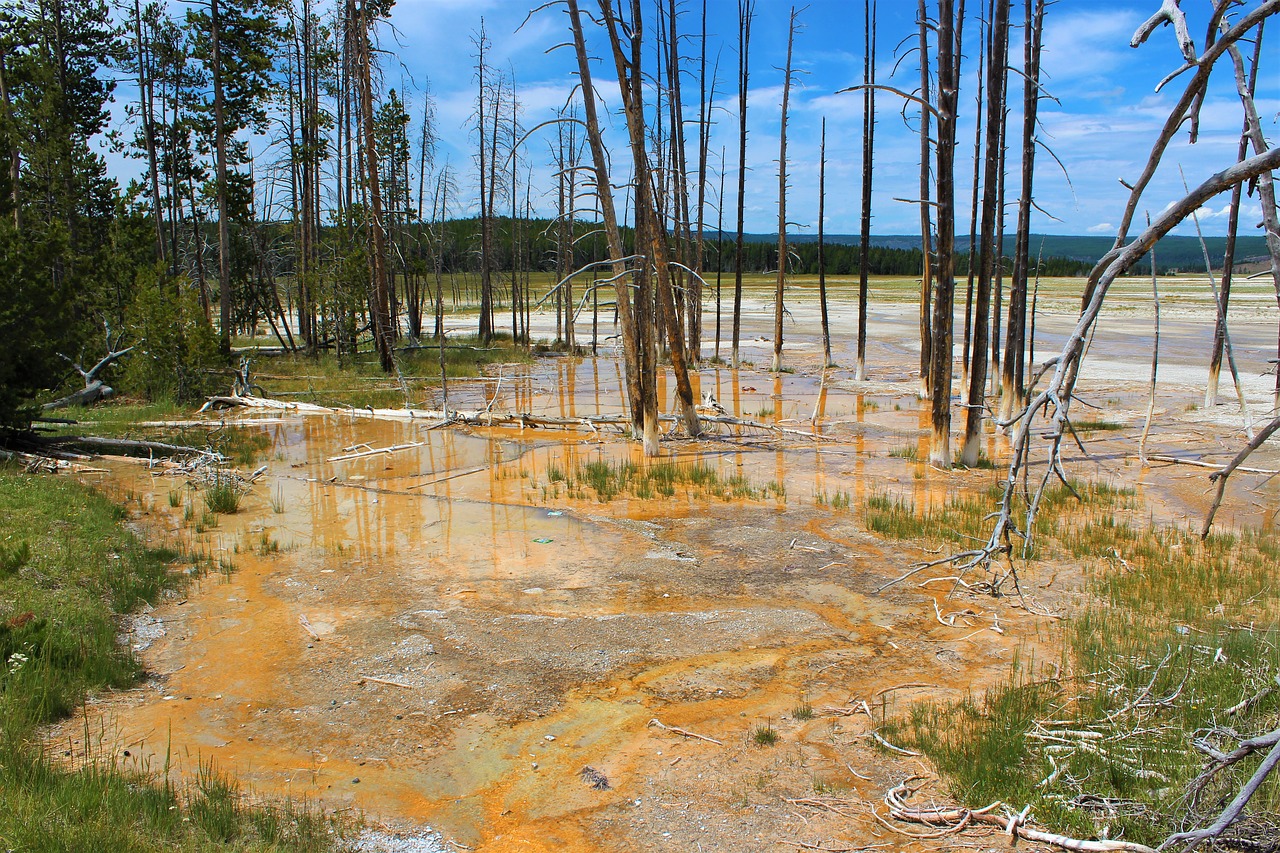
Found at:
[462, 635]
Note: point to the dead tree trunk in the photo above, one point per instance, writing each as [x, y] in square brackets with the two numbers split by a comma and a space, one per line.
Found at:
[1013, 375]
[778, 307]
[630, 72]
[380, 296]
[94, 388]
[868, 147]
[746, 11]
[966, 349]
[950, 29]
[604, 193]
[997, 59]
[822, 249]
[220, 156]
[926, 216]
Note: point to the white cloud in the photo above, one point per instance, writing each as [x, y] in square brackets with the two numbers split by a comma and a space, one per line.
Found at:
[1101, 228]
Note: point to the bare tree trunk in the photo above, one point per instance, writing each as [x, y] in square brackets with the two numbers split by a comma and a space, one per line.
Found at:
[1224, 297]
[604, 193]
[950, 29]
[629, 70]
[220, 152]
[926, 217]
[380, 298]
[486, 228]
[1012, 377]
[997, 60]
[868, 147]
[705, 106]
[746, 11]
[719, 248]
[966, 348]
[822, 249]
[1266, 183]
[778, 307]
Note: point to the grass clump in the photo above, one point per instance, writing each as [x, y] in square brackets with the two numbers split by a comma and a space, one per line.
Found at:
[223, 496]
[59, 608]
[765, 734]
[1178, 631]
[609, 480]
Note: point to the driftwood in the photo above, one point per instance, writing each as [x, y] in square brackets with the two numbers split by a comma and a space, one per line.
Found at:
[94, 388]
[655, 722]
[953, 819]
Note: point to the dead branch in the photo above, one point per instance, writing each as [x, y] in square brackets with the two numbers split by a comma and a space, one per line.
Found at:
[1056, 397]
[955, 819]
[1231, 813]
[656, 723]
[1221, 476]
[1170, 13]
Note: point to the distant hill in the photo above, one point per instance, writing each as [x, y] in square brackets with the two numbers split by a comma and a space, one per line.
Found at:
[1172, 253]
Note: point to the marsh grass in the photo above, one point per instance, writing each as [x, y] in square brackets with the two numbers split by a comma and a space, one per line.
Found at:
[1177, 630]
[963, 518]
[59, 611]
[223, 496]
[607, 480]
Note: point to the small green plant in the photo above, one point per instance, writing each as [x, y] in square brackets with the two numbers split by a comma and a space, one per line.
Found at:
[267, 545]
[766, 412]
[555, 473]
[765, 734]
[175, 498]
[803, 711]
[909, 451]
[14, 557]
[223, 496]
[1096, 426]
[277, 500]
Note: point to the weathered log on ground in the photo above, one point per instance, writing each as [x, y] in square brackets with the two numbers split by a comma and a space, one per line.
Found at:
[486, 418]
[120, 446]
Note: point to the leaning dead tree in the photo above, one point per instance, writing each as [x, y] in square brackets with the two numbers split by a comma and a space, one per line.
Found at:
[1048, 408]
[94, 388]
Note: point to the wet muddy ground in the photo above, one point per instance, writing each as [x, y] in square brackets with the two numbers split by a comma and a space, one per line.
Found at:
[450, 635]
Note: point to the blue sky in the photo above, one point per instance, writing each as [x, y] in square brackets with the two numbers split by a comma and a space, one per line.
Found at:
[1102, 126]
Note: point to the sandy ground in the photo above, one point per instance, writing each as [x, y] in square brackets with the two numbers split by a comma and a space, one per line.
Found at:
[445, 639]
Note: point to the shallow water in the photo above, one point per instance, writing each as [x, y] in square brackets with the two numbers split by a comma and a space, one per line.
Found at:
[448, 633]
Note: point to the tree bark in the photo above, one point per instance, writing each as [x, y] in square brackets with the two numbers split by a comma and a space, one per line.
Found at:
[868, 147]
[220, 151]
[380, 297]
[822, 252]
[926, 217]
[778, 306]
[950, 29]
[1013, 374]
[996, 62]
[746, 11]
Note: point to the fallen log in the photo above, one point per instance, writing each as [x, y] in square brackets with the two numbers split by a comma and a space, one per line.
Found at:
[484, 418]
[121, 446]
